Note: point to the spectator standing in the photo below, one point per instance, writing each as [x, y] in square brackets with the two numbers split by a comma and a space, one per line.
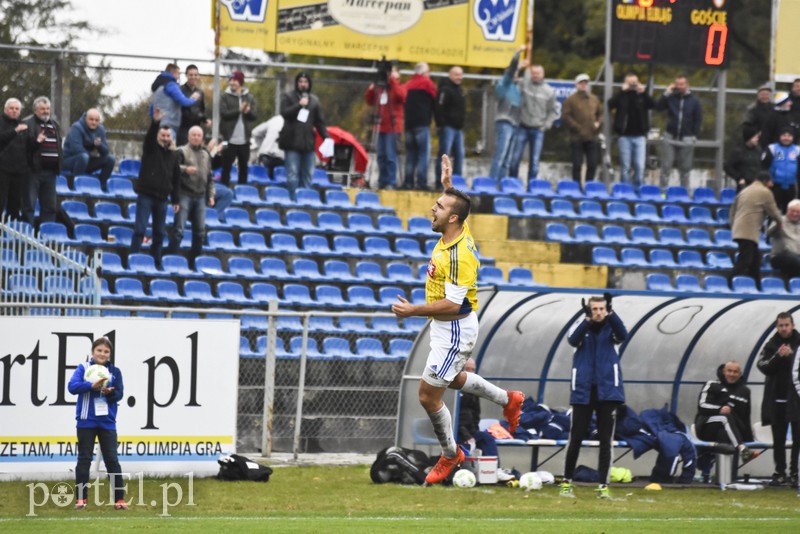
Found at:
[13, 158]
[779, 120]
[596, 386]
[539, 111]
[506, 118]
[194, 115]
[86, 147]
[758, 113]
[44, 162]
[794, 111]
[159, 181]
[780, 407]
[168, 97]
[388, 101]
[583, 115]
[237, 111]
[302, 114]
[265, 141]
[746, 159]
[785, 255]
[748, 212]
[197, 191]
[781, 160]
[450, 113]
[421, 96]
[631, 106]
[684, 118]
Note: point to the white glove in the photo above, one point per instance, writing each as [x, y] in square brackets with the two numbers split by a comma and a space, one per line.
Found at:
[326, 148]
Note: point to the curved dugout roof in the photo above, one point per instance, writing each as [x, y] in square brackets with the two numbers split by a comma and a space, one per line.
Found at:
[675, 344]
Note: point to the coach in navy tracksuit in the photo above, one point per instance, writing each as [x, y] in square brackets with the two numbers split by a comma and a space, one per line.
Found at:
[596, 382]
[96, 413]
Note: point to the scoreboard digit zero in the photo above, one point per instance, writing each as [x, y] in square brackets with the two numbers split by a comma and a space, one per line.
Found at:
[679, 32]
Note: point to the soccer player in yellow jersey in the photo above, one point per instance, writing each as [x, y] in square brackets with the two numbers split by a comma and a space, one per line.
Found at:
[451, 303]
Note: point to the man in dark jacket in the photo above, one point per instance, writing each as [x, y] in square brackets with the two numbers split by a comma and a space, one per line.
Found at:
[194, 115]
[596, 386]
[781, 404]
[168, 97]
[450, 114]
[237, 111]
[631, 124]
[302, 114]
[684, 117]
[13, 158]
[44, 162]
[86, 147]
[746, 159]
[420, 102]
[723, 410]
[759, 112]
[159, 180]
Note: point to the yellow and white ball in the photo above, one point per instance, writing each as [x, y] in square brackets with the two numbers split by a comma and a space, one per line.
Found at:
[464, 478]
[530, 481]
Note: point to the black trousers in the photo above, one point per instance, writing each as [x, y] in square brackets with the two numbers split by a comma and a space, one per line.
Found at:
[240, 153]
[581, 418]
[720, 428]
[787, 263]
[749, 261]
[591, 150]
[779, 428]
[108, 446]
[12, 186]
[783, 196]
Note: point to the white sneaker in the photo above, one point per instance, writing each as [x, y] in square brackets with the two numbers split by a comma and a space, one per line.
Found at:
[504, 475]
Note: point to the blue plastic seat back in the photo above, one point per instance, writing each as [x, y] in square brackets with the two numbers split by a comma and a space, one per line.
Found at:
[586, 233]
[369, 271]
[329, 221]
[557, 232]
[569, 189]
[369, 347]
[615, 234]
[715, 283]
[274, 267]
[534, 206]
[659, 282]
[562, 208]
[345, 244]
[687, 282]
[718, 260]
[268, 218]
[744, 284]
[541, 188]
[670, 236]
[624, 191]
[284, 243]
[651, 193]
[660, 257]
[596, 190]
[299, 220]
[307, 269]
[490, 275]
[619, 211]
[678, 194]
[673, 213]
[633, 257]
[646, 212]
[506, 206]
[690, 259]
[604, 256]
[520, 276]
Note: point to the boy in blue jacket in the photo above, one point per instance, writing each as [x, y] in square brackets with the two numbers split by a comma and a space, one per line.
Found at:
[596, 386]
[96, 415]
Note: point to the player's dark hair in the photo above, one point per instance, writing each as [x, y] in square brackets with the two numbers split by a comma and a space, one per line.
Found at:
[785, 315]
[463, 203]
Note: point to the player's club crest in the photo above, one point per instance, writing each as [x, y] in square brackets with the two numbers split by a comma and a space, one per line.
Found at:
[246, 10]
[497, 18]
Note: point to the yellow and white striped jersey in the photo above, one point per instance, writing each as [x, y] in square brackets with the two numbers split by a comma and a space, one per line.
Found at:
[454, 263]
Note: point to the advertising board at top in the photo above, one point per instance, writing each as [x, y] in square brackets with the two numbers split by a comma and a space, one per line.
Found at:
[480, 33]
[178, 411]
[676, 32]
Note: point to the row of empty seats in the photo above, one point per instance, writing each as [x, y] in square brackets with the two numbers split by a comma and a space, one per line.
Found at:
[617, 211]
[719, 284]
[663, 258]
[332, 348]
[643, 236]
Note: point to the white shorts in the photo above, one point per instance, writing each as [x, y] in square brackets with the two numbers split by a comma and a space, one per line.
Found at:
[451, 346]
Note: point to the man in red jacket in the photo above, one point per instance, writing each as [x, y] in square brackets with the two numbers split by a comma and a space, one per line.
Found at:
[387, 100]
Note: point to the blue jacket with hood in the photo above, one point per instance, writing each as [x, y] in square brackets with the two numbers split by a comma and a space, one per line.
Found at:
[596, 362]
[168, 97]
[84, 408]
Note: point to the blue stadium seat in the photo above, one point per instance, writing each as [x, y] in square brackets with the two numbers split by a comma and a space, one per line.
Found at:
[316, 244]
[400, 273]
[121, 188]
[718, 260]
[794, 286]
[369, 271]
[62, 186]
[370, 201]
[176, 265]
[673, 213]
[296, 347]
[541, 188]
[258, 174]
[484, 185]
[624, 191]
[129, 288]
[143, 264]
[646, 212]
[289, 324]
[274, 268]
[766, 263]
[300, 220]
[253, 242]
[744, 284]
[420, 226]
[704, 195]
[520, 276]
[698, 237]
[337, 347]
[723, 238]
[304, 269]
[591, 209]
[253, 322]
[490, 276]
[354, 325]
[773, 286]
[297, 295]
[199, 291]
[391, 225]
[650, 193]
[328, 221]
[605, 256]
[569, 189]
[388, 295]
[53, 231]
[239, 218]
[586, 233]
[360, 223]
[362, 296]
[409, 248]
[534, 207]
[109, 212]
[165, 290]
[723, 215]
[322, 324]
[659, 282]
[557, 232]
[619, 211]
[430, 244]
[414, 324]
[596, 190]
[660, 257]
[58, 285]
[726, 195]
[338, 199]
[643, 235]
[232, 292]
[245, 351]
[562, 208]
[338, 270]
[89, 234]
[36, 259]
[678, 194]
[130, 167]
[112, 264]
[269, 219]
[277, 196]
[77, 210]
[668, 235]
[221, 240]
[400, 347]
[688, 283]
[308, 198]
[715, 283]
[24, 284]
[89, 186]
[615, 234]
[242, 268]
[417, 295]
[263, 293]
[327, 295]
[369, 347]
[633, 257]
[512, 186]
[10, 260]
[284, 243]
[701, 215]
[380, 247]
[690, 259]
[507, 206]
[459, 182]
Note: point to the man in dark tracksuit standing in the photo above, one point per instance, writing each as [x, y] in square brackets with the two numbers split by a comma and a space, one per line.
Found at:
[596, 386]
[781, 404]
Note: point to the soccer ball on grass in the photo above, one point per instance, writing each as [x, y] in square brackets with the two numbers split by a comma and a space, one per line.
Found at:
[530, 481]
[464, 478]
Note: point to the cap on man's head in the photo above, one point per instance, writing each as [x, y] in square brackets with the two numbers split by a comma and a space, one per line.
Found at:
[765, 87]
[780, 98]
[787, 129]
[238, 76]
[583, 77]
[749, 131]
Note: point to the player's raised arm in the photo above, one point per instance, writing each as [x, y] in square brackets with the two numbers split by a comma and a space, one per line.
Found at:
[447, 172]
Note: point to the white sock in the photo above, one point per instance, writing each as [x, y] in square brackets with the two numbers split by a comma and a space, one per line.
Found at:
[443, 428]
[481, 387]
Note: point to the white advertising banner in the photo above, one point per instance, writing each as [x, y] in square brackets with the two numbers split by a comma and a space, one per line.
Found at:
[178, 412]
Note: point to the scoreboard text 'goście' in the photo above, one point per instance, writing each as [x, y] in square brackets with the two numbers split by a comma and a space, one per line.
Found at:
[680, 32]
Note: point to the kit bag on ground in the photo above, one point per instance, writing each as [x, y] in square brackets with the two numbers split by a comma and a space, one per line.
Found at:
[235, 467]
[400, 465]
